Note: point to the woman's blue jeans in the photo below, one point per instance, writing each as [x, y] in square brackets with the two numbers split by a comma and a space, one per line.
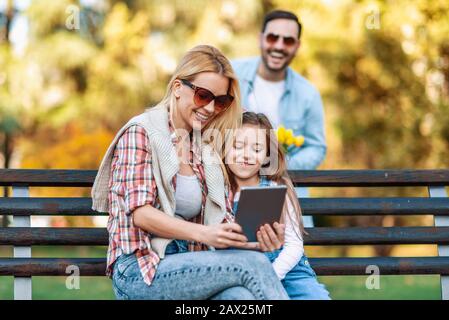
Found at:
[301, 282]
[200, 275]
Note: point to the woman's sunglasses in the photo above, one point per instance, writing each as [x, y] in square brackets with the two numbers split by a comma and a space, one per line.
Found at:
[273, 38]
[203, 97]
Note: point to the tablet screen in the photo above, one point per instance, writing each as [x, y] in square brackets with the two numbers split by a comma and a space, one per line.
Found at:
[257, 206]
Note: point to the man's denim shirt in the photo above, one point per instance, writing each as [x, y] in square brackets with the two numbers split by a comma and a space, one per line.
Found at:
[301, 109]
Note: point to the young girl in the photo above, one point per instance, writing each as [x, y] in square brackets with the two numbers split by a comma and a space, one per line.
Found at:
[245, 162]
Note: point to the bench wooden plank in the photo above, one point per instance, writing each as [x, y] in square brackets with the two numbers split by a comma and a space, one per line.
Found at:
[51, 266]
[387, 265]
[370, 178]
[25, 267]
[48, 207]
[376, 235]
[374, 206]
[54, 236]
[323, 178]
[47, 178]
[316, 236]
[310, 206]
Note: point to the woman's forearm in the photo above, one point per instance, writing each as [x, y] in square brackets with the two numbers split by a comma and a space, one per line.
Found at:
[158, 223]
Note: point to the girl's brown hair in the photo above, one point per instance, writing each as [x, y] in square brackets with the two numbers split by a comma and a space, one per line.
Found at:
[280, 175]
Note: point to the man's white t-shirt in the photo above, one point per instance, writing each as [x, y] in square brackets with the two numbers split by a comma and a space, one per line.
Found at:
[265, 99]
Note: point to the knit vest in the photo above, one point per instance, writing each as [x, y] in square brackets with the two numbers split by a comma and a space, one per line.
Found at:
[165, 165]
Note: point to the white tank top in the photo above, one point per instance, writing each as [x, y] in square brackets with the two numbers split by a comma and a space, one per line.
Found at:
[188, 196]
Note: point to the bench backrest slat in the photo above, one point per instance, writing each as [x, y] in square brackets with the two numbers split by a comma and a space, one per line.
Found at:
[310, 206]
[327, 236]
[310, 178]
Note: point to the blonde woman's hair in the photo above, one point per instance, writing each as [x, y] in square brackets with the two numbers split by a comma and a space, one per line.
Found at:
[204, 58]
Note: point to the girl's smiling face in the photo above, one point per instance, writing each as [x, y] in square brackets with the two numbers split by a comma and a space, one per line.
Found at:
[248, 153]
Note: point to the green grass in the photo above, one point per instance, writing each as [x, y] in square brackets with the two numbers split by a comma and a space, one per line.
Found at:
[54, 288]
[408, 287]
[342, 287]
[100, 288]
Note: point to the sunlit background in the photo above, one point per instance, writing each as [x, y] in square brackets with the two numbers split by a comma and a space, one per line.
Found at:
[73, 72]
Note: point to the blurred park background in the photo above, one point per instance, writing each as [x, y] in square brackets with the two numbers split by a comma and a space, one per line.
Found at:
[73, 72]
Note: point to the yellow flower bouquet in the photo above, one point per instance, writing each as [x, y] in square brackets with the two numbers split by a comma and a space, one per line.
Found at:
[288, 140]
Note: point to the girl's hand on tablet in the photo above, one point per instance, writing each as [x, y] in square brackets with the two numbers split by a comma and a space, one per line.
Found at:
[269, 239]
[280, 231]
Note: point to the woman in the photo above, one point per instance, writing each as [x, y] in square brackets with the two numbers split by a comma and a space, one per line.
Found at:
[164, 189]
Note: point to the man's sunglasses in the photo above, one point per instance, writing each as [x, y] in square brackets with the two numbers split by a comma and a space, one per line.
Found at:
[203, 97]
[273, 38]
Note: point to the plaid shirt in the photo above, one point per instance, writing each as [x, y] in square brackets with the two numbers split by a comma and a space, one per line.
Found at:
[132, 185]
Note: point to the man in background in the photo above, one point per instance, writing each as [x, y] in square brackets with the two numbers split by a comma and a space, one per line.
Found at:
[268, 85]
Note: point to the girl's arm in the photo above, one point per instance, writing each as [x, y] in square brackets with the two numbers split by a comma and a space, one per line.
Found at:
[293, 249]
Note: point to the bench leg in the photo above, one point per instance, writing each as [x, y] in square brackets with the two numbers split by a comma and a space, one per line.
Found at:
[443, 250]
[22, 285]
[303, 192]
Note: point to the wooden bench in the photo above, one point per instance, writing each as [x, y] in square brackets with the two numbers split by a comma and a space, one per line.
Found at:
[20, 235]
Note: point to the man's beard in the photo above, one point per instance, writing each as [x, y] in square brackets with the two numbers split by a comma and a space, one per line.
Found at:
[282, 67]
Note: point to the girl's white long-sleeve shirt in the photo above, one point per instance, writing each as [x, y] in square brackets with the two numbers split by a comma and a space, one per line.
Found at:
[293, 248]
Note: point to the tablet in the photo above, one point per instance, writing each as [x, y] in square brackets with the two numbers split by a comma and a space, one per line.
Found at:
[257, 206]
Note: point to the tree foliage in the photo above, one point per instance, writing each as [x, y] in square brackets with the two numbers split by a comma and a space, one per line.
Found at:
[382, 68]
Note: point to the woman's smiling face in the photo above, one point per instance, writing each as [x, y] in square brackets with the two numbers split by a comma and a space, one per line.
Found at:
[187, 114]
[248, 152]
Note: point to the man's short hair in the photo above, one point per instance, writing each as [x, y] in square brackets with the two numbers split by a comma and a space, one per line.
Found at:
[281, 14]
